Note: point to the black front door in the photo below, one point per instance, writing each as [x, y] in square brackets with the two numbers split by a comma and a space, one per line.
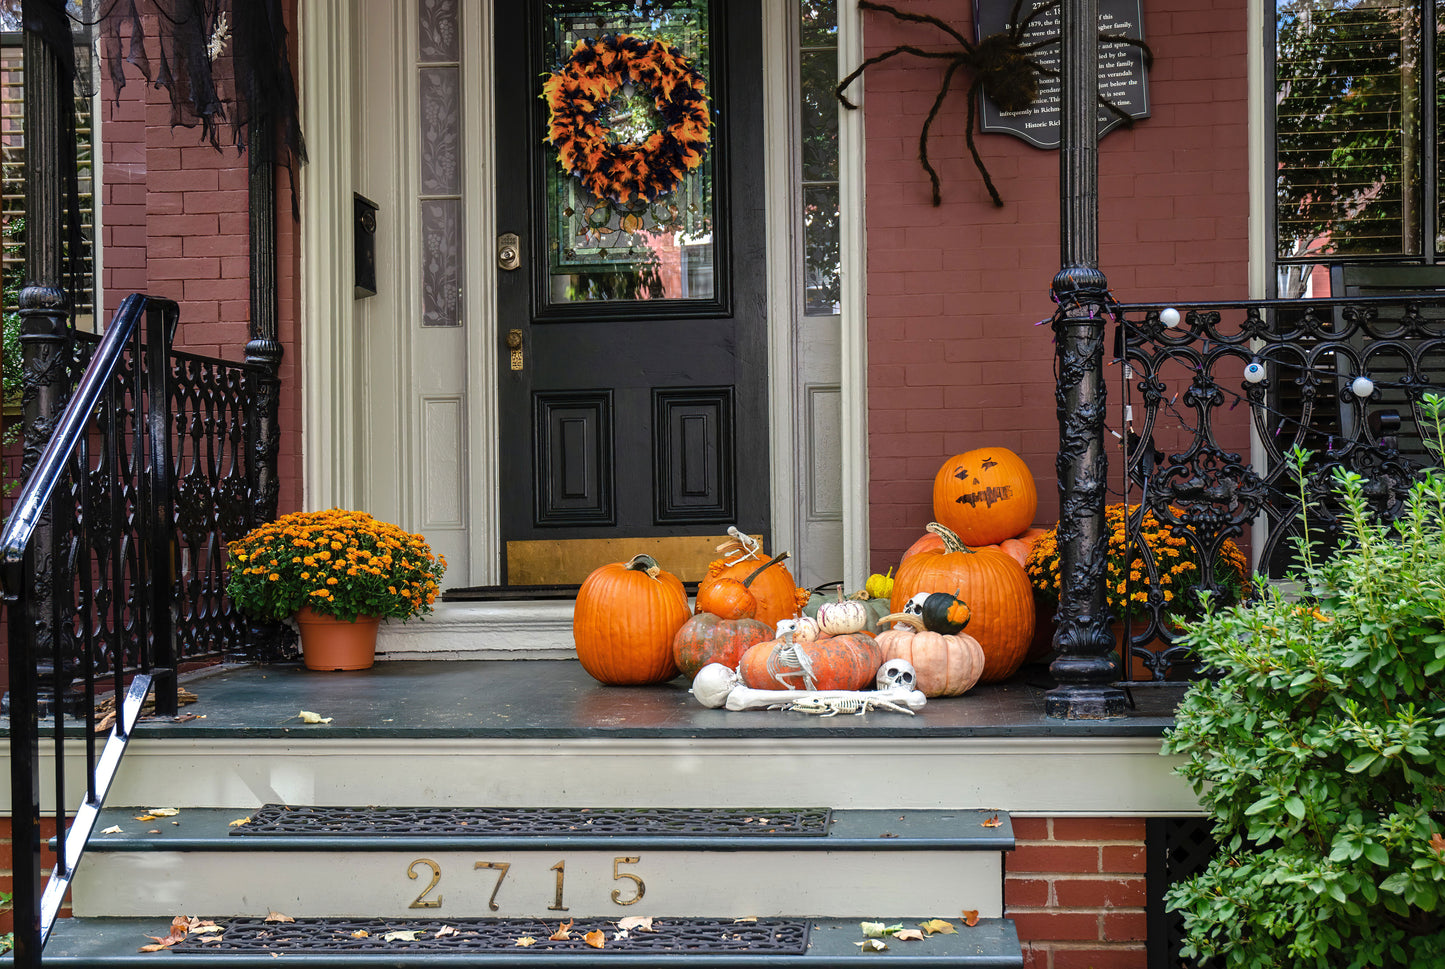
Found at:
[633, 379]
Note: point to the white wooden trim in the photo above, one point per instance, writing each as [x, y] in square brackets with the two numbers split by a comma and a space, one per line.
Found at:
[1076, 775]
[480, 301]
[854, 250]
[328, 361]
[1260, 102]
[780, 97]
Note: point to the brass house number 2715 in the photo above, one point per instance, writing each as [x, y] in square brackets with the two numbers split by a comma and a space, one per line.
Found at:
[620, 896]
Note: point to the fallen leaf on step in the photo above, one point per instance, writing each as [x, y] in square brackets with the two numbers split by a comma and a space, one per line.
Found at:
[308, 717]
[445, 931]
[876, 930]
[872, 945]
[992, 822]
[180, 925]
[938, 925]
[163, 812]
[970, 917]
[154, 831]
[401, 935]
[278, 917]
[564, 932]
[113, 829]
[642, 923]
[238, 822]
[526, 940]
[749, 918]
[596, 938]
[909, 935]
[209, 928]
[361, 934]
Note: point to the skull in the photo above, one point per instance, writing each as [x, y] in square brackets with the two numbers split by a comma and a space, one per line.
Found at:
[785, 627]
[914, 606]
[897, 674]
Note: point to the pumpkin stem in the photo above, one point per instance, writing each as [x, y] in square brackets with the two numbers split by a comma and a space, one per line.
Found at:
[766, 565]
[951, 542]
[642, 562]
[903, 619]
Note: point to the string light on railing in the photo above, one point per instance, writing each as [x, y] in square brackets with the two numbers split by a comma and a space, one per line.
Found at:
[1362, 386]
[1169, 316]
[1254, 372]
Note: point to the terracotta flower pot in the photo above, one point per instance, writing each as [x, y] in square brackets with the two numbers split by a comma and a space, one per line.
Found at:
[328, 643]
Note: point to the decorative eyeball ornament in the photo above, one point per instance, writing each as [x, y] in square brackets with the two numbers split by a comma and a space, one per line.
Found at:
[1254, 372]
[1362, 386]
[712, 685]
[1169, 316]
[897, 674]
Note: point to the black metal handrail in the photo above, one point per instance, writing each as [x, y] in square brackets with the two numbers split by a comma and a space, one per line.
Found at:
[112, 562]
[1204, 383]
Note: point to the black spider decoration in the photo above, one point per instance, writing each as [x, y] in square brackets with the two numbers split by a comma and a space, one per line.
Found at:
[1001, 64]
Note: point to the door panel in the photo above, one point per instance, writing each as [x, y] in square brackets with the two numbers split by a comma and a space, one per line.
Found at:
[637, 411]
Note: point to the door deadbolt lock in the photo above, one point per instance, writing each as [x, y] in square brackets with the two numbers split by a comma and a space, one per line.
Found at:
[509, 251]
[514, 345]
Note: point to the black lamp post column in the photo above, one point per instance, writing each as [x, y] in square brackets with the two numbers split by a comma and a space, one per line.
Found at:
[263, 431]
[1085, 669]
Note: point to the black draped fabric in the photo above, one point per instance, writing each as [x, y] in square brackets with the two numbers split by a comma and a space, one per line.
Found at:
[224, 63]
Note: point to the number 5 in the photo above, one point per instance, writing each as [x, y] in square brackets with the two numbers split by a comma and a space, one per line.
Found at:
[618, 876]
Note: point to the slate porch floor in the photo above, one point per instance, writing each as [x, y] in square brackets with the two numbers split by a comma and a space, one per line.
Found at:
[556, 698]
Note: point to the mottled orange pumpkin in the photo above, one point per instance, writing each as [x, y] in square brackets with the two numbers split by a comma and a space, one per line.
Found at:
[708, 638]
[625, 619]
[995, 587]
[847, 662]
[947, 665]
[985, 495]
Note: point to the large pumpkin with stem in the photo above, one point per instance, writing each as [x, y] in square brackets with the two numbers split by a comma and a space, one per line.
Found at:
[774, 589]
[995, 587]
[985, 495]
[724, 626]
[625, 619]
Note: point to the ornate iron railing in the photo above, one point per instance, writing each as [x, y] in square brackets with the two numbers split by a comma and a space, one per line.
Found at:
[113, 559]
[1217, 396]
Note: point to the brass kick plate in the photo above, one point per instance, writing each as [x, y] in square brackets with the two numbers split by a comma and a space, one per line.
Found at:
[568, 562]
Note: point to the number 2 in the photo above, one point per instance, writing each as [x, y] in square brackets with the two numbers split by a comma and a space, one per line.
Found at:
[436, 876]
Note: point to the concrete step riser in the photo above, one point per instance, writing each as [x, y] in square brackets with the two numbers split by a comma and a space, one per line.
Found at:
[546, 885]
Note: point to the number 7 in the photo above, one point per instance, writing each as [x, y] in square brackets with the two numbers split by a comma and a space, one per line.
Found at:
[501, 867]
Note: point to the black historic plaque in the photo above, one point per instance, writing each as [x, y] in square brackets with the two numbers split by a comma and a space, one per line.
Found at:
[1122, 79]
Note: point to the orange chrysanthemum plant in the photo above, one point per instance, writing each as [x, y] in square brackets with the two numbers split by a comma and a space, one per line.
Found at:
[340, 563]
[1176, 565]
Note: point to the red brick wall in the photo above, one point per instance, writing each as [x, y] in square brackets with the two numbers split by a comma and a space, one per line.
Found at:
[1074, 888]
[176, 224]
[47, 831]
[954, 358]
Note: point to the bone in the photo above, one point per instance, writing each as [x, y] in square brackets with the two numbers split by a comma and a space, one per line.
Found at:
[746, 698]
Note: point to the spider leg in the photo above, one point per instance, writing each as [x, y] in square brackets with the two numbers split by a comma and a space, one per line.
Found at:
[973, 150]
[918, 18]
[928, 123]
[878, 58]
[1131, 42]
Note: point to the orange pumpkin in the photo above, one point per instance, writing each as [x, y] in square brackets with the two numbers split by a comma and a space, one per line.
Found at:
[625, 619]
[709, 638]
[995, 587]
[1016, 548]
[774, 587]
[947, 665]
[835, 663]
[985, 495]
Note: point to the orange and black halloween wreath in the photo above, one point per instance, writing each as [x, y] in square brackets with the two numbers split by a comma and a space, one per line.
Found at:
[632, 171]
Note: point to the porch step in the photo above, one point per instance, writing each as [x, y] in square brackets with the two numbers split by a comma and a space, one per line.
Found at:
[547, 864]
[105, 943]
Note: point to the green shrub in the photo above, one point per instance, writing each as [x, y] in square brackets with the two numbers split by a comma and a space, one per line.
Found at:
[1318, 753]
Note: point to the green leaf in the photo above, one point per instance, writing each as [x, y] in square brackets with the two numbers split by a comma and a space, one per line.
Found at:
[1376, 854]
[1295, 807]
[1361, 762]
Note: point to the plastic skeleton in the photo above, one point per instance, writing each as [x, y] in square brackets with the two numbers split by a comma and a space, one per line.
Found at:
[718, 686]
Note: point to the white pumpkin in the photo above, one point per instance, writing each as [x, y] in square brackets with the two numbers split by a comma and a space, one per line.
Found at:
[843, 617]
